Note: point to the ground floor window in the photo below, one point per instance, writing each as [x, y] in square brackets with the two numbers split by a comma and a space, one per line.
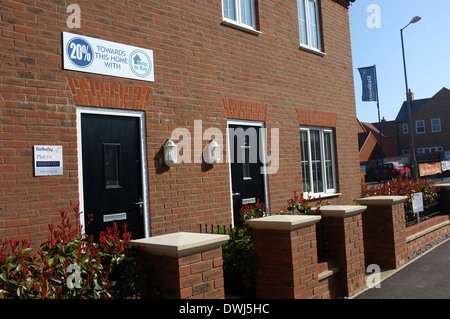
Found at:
[317, 160]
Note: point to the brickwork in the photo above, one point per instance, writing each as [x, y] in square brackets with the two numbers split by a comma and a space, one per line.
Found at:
[110, 95]
[198, 276]
[427, 231]
[287, 263]
[201, 68]
[184, 265]
[346, 248]
[384, 231]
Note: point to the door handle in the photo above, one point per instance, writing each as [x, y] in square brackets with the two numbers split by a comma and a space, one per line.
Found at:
[236, 194]
[141, 208]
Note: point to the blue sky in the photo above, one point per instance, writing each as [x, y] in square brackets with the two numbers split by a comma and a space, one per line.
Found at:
[427, 51]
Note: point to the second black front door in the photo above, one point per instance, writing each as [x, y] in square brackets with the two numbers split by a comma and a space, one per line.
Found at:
[247, 179]
[112, 173]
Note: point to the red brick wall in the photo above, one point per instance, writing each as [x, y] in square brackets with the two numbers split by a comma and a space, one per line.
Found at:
[198, 276]
[287, 263]
[384, 235]
[199, 64]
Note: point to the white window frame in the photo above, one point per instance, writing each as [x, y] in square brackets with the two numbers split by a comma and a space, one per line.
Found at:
[405, 128]
[238, 23]
[417, 126]
[435, 125]
[307, 44]
[322, 130]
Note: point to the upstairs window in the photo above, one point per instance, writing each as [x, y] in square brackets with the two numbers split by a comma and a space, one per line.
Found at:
[405, 128]
[240, 12]
[309, 25]
[420, 127]
[435, 125]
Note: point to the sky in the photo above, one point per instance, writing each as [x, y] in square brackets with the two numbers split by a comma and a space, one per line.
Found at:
[375, 34]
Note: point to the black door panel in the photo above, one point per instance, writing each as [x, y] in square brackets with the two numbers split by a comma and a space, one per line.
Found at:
[247, 181]
[112, 177]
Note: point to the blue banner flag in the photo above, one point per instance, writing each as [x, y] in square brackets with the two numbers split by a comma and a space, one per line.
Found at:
[369, 84]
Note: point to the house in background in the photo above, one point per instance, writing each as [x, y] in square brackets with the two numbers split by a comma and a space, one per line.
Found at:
[370, 145]
[431, 119]
[389, 134]
[367, 143]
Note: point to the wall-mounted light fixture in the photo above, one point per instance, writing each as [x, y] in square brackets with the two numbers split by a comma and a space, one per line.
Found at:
[211, 153]
[170, 153]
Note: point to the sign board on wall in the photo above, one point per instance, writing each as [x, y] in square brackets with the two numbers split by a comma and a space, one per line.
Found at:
[427, 169]
[91, 55]
[48, 160]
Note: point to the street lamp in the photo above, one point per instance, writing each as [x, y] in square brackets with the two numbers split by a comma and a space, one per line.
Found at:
[408, 101]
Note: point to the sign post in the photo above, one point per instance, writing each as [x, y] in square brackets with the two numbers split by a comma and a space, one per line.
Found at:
[417, 204]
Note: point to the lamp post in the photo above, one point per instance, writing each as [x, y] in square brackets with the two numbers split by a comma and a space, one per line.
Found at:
[408, 102]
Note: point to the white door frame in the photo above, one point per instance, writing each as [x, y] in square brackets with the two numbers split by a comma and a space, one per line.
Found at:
[141, 117]
[264, 163]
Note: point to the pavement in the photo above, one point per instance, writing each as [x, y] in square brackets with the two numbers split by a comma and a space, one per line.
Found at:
[427, 276]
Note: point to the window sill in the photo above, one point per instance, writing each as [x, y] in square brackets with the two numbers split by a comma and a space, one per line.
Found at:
[312, 50]
[244, 28]
[312, 196]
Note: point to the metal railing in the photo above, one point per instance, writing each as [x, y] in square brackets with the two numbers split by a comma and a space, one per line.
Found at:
[214, 229]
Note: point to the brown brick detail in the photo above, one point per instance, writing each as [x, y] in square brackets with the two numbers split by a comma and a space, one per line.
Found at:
[316, 118]
[112, 95]
[244, 110]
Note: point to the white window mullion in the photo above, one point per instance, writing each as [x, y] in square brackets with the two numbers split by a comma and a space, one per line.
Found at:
[311, 176]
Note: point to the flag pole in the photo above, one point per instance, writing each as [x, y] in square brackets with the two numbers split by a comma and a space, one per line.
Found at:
[379, 125]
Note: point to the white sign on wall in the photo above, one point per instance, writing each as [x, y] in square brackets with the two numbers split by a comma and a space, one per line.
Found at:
[48, 160]
[417, 202]
[91, 55]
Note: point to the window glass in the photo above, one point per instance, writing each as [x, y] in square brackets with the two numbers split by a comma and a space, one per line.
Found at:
[328, 159]
[229, 9]
[305, 161]
[246, 12]
[240, 12]
[111, 163]
[308, 21]
[317, 160]
[313, 27]
[302, 22]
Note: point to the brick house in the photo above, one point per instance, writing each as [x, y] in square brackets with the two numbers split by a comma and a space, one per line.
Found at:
[429, 118]
[71, 135]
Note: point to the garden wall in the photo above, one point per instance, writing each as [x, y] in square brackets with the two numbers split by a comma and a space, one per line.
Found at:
[305, 256]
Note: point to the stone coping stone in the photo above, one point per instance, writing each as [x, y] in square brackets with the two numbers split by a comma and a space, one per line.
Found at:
[341, 210]
[382, 200]
[283, 222]
[444, 185]
[181, 244]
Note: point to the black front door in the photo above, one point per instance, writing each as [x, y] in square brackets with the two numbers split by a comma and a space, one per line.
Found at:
[112, 173]
[247, 179]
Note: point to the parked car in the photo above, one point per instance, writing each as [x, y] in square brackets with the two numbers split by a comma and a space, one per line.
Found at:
[392, 170]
